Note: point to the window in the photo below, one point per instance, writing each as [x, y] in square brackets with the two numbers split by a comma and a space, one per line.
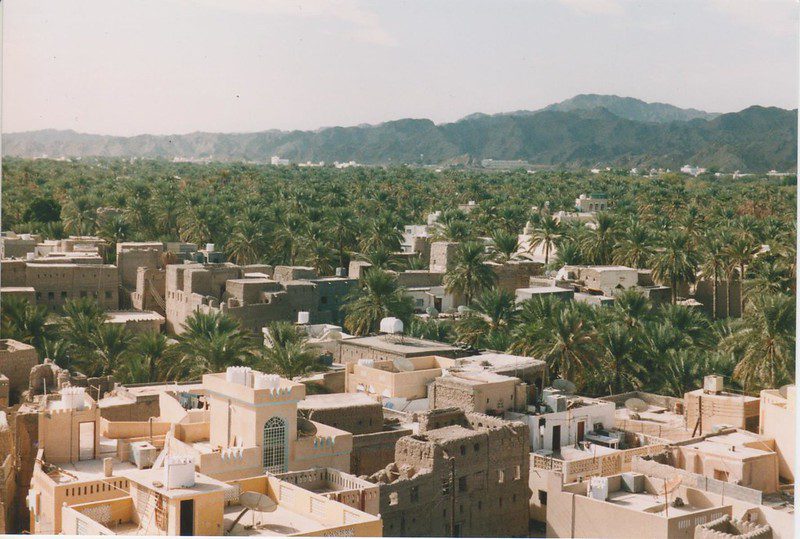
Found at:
[51, 296]
[419, 303]
[83, 293]
[500, 502]
[323, 300]
[274, 448]
[720, 475]
[542, 497]
[63, 295]
[501, 476]
[462, 484]
[517, 472]
[38, 295]
[108, 294]
[480, 505]
[414, 494]
[463, 450]
[477, 447]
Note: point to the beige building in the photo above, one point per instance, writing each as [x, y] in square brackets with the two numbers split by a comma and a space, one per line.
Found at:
[479, 391]
[254, 295]
[595, 202]
[663, 417]
[740, 457]
[239, 424]
[628, 505]
[383, 380]
[712, 406]
[389, 348]
[14, 245]
[779, 422]
[137, 321]
[374, 436]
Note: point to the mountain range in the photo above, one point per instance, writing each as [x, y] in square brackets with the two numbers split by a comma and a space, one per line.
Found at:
[586, 130]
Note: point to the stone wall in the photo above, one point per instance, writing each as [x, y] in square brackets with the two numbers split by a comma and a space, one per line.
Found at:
[725, 528]
[374, 451]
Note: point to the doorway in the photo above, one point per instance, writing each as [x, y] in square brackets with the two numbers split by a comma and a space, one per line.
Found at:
[581, 430]
[187, 517]
[86, 440]
[556, 439]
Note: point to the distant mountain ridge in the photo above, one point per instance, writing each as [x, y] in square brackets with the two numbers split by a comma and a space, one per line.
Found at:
[587, 130]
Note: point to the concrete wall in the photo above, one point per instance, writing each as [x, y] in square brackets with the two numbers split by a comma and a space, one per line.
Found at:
[738, 411]
[779, 421]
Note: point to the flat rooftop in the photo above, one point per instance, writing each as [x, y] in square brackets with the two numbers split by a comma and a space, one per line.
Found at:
[120, 317]
[646, 502]
[155, 476]
[452, 432]
[497, 361]
[280, 522]
[479, 377]
[400, 344]
[723, 395]
[335, 400]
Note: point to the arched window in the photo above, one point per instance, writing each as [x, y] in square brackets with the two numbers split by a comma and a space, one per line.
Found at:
[275, 448]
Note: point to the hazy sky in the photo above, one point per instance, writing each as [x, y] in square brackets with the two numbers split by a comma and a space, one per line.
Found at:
[176, 66]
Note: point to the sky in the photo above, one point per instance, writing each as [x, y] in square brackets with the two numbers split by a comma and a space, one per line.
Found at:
[124, 67]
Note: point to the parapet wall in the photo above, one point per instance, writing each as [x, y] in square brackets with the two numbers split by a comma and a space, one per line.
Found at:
[693, 480]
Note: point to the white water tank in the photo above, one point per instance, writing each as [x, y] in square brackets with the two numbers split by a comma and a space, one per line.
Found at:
[73, 398]
[366, 362]
[303, 317]
[30, 256]
[209, 247]
[179, 472]
[391, 325]
[713, 383]
[237, 375]
[598, 488]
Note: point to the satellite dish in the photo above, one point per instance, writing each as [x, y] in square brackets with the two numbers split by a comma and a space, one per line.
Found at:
[253, 501]
[636, 405]
[565, 386]
[306, 427]
[403, 364]
[784, 390]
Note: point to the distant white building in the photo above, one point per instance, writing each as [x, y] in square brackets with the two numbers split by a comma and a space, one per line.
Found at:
[278, 161]
[692, 170]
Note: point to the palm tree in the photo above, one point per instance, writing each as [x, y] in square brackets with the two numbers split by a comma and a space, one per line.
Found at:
[79, 215]
[598, 242]
[713, 267]
[632, 309]
[110, 343]
[770, 277]
[148, 360]
[763, 343]
[469, 274]
[453, 230]
[82, 319]
[211, 343]
[287, 352]
[565, 338]
[619, 351]
[740, 252]
[505, 245]
[546, 235]
[343, 229]
[246, 244]
[381, 258]
[378, 297]
[431, 329]
[677, 262]
[26, 323]
[494, 311]
[634, 247]
[569, 254]
[681, 371]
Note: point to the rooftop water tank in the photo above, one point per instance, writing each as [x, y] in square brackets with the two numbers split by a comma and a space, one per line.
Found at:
[303, 317]
[391, 325]
[209, 247]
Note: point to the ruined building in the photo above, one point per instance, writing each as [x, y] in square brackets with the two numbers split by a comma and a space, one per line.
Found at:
[462, 475]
